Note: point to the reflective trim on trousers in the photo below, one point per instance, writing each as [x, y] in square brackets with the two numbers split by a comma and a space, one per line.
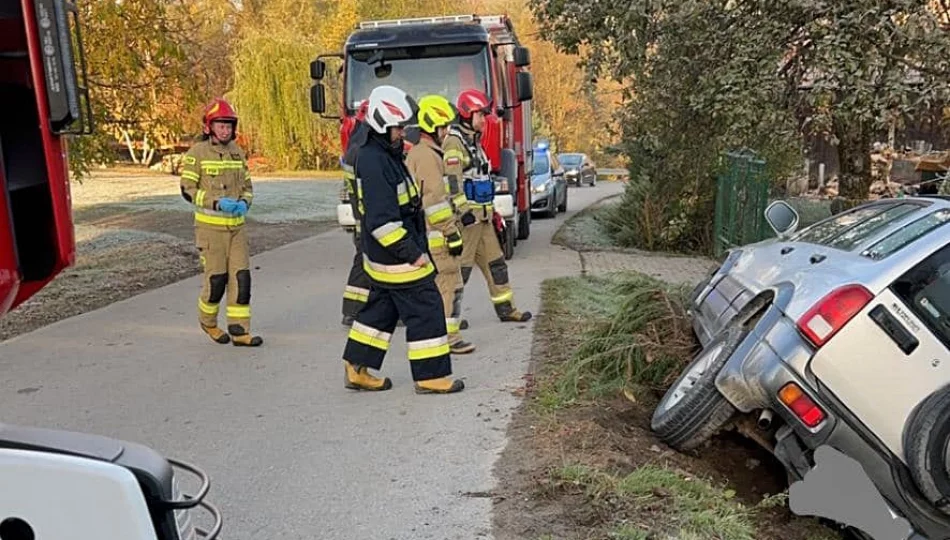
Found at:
[372, 337]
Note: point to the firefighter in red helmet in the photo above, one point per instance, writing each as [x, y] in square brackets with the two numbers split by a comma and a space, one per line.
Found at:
[215, 179]
[356, 292]
[468, 173]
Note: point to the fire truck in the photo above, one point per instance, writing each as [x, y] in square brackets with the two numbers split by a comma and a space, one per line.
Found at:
[63, 484]
[445, 55]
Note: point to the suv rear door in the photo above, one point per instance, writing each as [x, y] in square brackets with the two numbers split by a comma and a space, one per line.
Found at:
[896, 351]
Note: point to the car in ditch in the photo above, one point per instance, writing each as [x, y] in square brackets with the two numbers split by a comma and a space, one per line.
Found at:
[837, 335]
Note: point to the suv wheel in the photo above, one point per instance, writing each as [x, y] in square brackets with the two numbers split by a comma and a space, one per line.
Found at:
[926, 441]
[693, 409]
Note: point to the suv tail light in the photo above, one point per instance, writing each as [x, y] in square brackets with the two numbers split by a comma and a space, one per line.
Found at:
[801, 405]
[832, 312]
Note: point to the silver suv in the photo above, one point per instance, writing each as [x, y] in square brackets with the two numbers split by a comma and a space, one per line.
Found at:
[837, 336]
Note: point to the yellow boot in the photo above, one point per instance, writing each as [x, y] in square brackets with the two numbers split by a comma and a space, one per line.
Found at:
[216, 334]
[358, 378]
[241, 338]
[443, 385]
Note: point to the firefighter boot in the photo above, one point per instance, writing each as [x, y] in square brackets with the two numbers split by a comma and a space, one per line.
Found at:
[216, 334]
[457, 345]
[358, 378]
[443, 385]
[241, 338]
[516, 316]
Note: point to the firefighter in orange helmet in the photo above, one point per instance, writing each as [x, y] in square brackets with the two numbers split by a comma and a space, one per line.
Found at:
[215, 179]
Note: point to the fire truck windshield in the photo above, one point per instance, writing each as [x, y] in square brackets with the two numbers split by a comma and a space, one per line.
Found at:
[435, 69]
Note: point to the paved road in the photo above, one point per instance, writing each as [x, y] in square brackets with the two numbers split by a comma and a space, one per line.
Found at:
[292, 455]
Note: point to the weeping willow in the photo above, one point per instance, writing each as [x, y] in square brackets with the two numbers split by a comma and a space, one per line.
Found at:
[272, 94]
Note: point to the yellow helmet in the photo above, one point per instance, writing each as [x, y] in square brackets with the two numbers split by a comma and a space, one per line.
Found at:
[434, 112]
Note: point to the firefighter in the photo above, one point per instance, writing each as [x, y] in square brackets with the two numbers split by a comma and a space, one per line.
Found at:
[445, 239]
[396, 258]
[216, 180]
[467, 170]
[357, 284]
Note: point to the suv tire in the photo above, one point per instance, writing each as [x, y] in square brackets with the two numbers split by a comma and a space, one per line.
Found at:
[926, 439]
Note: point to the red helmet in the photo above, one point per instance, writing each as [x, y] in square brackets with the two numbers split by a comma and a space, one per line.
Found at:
[472, 101]
[361, 112]
[221, 111]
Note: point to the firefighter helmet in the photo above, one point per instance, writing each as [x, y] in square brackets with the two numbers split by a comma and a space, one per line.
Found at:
[472, 101]
[361, 111]
[434, 112]
[220, 110]
[389, 107]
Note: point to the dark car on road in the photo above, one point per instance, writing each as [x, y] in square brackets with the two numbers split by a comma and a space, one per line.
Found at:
[578, 169]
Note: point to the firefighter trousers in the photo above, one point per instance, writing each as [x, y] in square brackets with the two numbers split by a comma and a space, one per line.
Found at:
[357, 288]
[449, 282]
[480, 248]
[419, 306]
[226, 262]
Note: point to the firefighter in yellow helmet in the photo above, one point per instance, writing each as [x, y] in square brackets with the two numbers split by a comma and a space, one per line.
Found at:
[467, 170]
[215, 179]
[425, 162]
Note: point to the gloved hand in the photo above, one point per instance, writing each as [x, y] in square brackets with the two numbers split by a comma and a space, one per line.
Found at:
[227, 205]
[468, 218]
[455, 244]
[240, 209]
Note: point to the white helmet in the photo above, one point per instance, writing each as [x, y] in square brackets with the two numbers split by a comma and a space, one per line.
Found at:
[390, 107]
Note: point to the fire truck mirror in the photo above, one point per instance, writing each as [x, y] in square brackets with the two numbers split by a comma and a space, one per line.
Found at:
[318, 69]
[318, 102]
[522, 57]
[525, 87]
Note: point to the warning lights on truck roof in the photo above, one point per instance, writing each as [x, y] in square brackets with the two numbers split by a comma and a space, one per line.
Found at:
[542, 146]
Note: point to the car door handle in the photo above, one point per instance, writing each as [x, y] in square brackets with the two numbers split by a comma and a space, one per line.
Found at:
[817, 258]
[894, 329]
[787, 250]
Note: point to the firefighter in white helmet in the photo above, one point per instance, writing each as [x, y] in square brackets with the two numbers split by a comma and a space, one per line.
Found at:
[396, 258]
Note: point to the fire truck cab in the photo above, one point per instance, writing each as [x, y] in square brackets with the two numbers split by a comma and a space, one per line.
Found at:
[446, 55]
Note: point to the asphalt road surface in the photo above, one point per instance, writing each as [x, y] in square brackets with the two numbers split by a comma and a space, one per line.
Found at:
[291, 453]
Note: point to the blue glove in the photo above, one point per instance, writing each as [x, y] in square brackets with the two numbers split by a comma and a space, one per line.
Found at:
[240, 209]
[227, 205]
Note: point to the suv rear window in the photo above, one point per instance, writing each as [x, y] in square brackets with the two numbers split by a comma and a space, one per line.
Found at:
[926, 290]
[849, 229]
[896, 241]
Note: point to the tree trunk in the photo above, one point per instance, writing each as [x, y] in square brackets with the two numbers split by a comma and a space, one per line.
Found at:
[854, 162]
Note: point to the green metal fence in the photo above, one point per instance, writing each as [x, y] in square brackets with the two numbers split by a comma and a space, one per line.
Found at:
[742, 194]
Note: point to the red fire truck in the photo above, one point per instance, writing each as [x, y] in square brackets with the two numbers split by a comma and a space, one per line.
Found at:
[445, 55]
[61, 484]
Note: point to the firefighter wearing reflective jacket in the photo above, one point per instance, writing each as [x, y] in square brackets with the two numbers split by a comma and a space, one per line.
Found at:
[445, 239]
[467, 171]
[396, 258]
[357, 284]
[215, 179]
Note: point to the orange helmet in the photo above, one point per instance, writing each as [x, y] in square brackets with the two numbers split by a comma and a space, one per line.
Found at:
[472, 101]
[220, 110]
